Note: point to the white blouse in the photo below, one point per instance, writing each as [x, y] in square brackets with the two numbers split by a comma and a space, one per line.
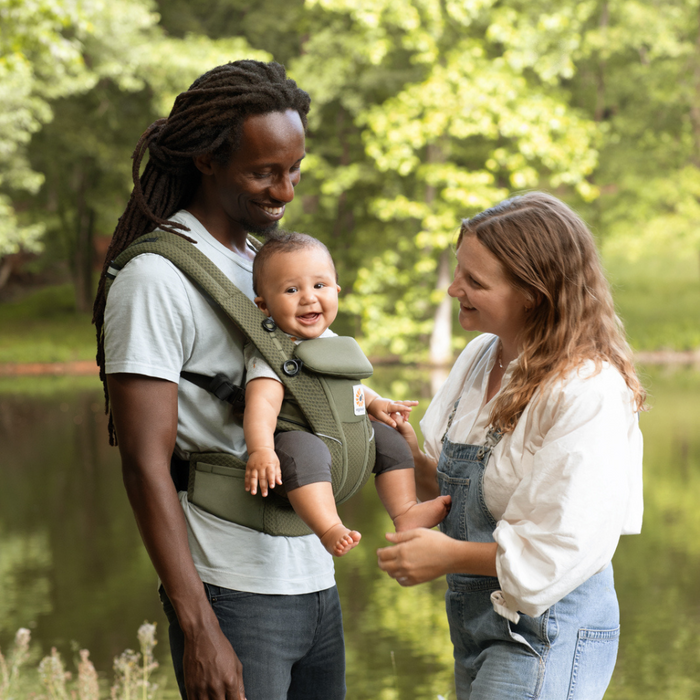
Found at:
[563, 486]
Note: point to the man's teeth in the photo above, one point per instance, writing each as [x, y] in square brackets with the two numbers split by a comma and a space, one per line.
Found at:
[275, 211]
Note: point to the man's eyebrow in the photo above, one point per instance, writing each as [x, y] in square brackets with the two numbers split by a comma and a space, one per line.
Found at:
[272, 165]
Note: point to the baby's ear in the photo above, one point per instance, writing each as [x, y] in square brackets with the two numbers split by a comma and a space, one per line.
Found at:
[260, 303]
[337, 286]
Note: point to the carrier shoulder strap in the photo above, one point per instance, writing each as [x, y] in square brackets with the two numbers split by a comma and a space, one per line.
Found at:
[277, 348]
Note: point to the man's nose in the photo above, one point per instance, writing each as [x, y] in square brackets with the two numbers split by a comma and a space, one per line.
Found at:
[283, 189]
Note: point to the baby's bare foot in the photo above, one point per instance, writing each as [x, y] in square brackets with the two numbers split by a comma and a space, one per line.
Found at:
[338, 540]
[427, 514]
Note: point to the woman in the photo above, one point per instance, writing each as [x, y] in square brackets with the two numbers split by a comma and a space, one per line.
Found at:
[535, 436]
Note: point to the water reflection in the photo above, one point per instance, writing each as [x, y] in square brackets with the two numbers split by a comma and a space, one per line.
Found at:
[72, 565]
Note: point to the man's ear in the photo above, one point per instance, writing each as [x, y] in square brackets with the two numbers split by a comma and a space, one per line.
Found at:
[203, 164]
[262, 305]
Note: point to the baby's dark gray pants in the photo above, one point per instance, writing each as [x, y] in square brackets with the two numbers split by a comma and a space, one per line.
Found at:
[305, 459]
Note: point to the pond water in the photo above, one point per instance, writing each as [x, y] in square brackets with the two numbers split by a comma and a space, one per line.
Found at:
[73, 570]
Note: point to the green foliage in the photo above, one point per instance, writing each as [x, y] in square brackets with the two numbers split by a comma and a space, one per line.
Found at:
[424, 112]
[452, 105]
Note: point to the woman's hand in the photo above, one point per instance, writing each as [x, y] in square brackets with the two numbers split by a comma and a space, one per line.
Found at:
[423, 555]
[416, 557]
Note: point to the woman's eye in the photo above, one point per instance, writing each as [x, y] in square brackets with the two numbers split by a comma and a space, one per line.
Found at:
[474, 282]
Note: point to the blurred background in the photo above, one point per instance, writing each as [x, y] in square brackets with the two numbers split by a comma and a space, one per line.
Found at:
[423, 112]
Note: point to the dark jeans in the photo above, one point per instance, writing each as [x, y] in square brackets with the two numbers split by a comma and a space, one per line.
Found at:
[291, 646]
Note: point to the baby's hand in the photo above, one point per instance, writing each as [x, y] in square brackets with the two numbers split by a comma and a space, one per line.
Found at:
[263, 468]
[408, 433]
[386, 410]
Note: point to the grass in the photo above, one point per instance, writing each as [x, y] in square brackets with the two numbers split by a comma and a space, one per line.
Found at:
[45, 327]
[659, 301]
[658, 298]
[133, 673]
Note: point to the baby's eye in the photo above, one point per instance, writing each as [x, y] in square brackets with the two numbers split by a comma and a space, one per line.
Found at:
[291, 290]
[319, 285]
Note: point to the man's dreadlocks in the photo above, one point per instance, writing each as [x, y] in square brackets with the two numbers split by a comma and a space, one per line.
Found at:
[206, 119]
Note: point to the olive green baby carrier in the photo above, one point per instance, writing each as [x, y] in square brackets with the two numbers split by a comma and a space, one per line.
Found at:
[320, 377]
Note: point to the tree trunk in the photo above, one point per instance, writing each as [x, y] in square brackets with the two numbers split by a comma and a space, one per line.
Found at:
[5, 270]
[83, 261]
[83, 250]
[441, 337]
[440, 353]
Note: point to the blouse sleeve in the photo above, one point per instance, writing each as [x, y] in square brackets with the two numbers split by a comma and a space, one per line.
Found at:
[563, 522]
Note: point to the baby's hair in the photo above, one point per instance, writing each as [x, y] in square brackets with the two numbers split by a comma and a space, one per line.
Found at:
[549, 255]
[282, 242]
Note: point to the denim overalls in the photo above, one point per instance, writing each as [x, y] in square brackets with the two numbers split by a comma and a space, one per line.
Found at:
[567, 653]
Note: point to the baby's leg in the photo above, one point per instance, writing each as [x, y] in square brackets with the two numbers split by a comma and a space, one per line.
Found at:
[396, 486]
[305, 463]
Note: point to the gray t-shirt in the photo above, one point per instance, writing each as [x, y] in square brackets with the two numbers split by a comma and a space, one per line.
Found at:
[158, 323]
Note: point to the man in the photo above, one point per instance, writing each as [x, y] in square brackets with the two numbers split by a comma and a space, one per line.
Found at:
[251, 615]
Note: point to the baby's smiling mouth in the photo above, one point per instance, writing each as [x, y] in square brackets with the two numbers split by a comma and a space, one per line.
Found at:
[309, 318]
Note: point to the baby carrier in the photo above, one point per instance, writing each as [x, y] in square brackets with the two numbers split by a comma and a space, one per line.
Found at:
[322, 396]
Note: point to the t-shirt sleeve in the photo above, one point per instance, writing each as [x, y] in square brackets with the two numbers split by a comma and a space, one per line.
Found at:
[563, 522]
[256, 367]
[149, 325]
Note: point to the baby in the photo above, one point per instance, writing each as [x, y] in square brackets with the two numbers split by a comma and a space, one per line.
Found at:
[295, 281]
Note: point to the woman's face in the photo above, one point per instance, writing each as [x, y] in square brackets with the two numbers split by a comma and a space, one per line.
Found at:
[487, 300]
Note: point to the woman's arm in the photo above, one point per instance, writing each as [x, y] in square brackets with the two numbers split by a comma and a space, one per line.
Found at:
[423, 555]
[145, 417]
[263, 400]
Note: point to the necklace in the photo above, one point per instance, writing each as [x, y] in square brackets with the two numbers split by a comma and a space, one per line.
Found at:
[498, 357]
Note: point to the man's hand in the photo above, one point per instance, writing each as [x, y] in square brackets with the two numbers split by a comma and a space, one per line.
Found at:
[262, 468]
[212, 669]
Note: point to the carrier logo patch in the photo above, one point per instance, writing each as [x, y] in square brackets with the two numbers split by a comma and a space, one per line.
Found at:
[358, 399]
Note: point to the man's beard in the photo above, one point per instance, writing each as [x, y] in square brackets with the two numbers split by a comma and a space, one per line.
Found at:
[260, 230]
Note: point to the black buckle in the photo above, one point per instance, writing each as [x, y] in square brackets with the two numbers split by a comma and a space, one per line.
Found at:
[223, 389]
[292, 367]
[269, 325]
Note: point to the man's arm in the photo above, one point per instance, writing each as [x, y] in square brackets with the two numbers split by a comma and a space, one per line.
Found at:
[145, 417]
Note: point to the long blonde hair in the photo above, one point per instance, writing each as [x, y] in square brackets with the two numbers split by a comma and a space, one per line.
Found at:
[549, 254]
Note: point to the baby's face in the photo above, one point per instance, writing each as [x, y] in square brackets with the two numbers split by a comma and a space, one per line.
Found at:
[299, 292]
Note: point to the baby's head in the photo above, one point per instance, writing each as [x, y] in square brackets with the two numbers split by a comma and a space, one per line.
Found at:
[295, 282]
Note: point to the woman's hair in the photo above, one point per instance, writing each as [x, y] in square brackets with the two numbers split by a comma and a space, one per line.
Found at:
[282, 242]
[549, 255]
[206, 119]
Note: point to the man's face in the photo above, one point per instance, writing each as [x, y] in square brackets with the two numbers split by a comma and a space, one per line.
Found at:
[252, 189]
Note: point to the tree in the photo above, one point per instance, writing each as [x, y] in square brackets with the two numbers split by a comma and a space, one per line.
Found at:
[470, 102]
[125, 73]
